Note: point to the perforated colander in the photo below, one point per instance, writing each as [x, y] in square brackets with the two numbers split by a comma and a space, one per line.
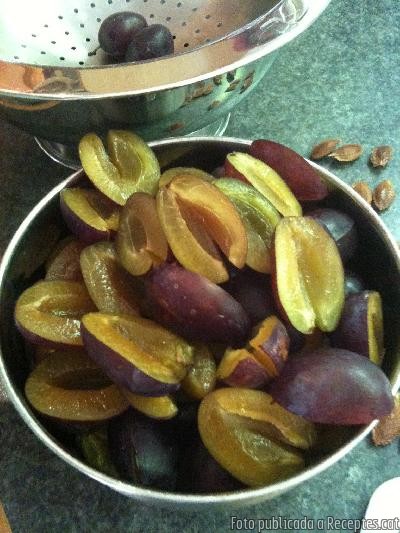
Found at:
[51, 32]
[57, 84]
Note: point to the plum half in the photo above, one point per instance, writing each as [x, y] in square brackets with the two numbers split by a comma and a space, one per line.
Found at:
[49, 313]
[137, 353]
[72, 388]
[194, 307]
[361, 326]
[333, 386]
[89, 214]
[308, 276]
[258, 442]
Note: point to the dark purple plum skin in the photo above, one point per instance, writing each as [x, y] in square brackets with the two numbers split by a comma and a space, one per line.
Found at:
[253, 291]
[248, 373]
[352, 330]
[83, 231]
[340, 227]
[200, 473]
[194, 307]
[143, 450]
[333, 386]
[123, 372]
[305, 183]
[117, 31]
[149, 43]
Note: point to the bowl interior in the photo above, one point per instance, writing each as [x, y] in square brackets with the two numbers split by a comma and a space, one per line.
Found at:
[378, 261]
[65, 34]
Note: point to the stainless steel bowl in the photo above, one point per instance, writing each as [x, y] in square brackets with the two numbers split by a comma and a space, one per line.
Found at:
[48, 71]
[32, 243]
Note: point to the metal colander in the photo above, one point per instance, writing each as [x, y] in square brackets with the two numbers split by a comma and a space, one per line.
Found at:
[57, 84]
[51, 32]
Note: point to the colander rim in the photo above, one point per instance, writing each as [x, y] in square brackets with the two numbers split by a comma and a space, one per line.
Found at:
[178, 70]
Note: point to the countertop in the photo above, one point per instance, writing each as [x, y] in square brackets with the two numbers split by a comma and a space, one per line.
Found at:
[340, 79]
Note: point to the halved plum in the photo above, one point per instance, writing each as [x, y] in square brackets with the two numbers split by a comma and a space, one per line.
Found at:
[267, 182]
[111, 288]
[194, 307]
[129, 166]
[168, 175]
[341, 227]
[140, 242]
[361, 326]
[89, 214]
[270, 345]
[308, 274]
[257, 440]
[239, 368]
[201, 377]
[259, 218]
[64, 265]
[213, 211]
[137, 353]
[70, 387]
[305, 182]
[158, 407]
[49, 313]
[333, 386]
[189, 241]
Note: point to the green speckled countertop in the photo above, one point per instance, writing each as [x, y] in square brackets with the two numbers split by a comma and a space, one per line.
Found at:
[339, 79]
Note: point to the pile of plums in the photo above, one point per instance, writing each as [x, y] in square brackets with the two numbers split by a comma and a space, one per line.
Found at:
[202, 334]
[126, 35]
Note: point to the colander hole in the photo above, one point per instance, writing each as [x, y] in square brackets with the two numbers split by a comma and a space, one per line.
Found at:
[197, 31]
[174, 36]
[110, 1]
[194, 9]
[168, 19]
[60, 17]
[66, 32]
[92, 5]
[34, 35]
[45, 26]
[151, 16]
[81, 25]
[179, 4]
[183, 23]
[43, 53]
[81, 62]
[16, 57]
[62, 58]
[53, 42]
[76, 10]
[23, 45]
[127, 1]
[162, 2]
[98, 19]
[87, 39]
[144, 1]
[186, 45]
[73, 47]
[219, 24]
[208, 17]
